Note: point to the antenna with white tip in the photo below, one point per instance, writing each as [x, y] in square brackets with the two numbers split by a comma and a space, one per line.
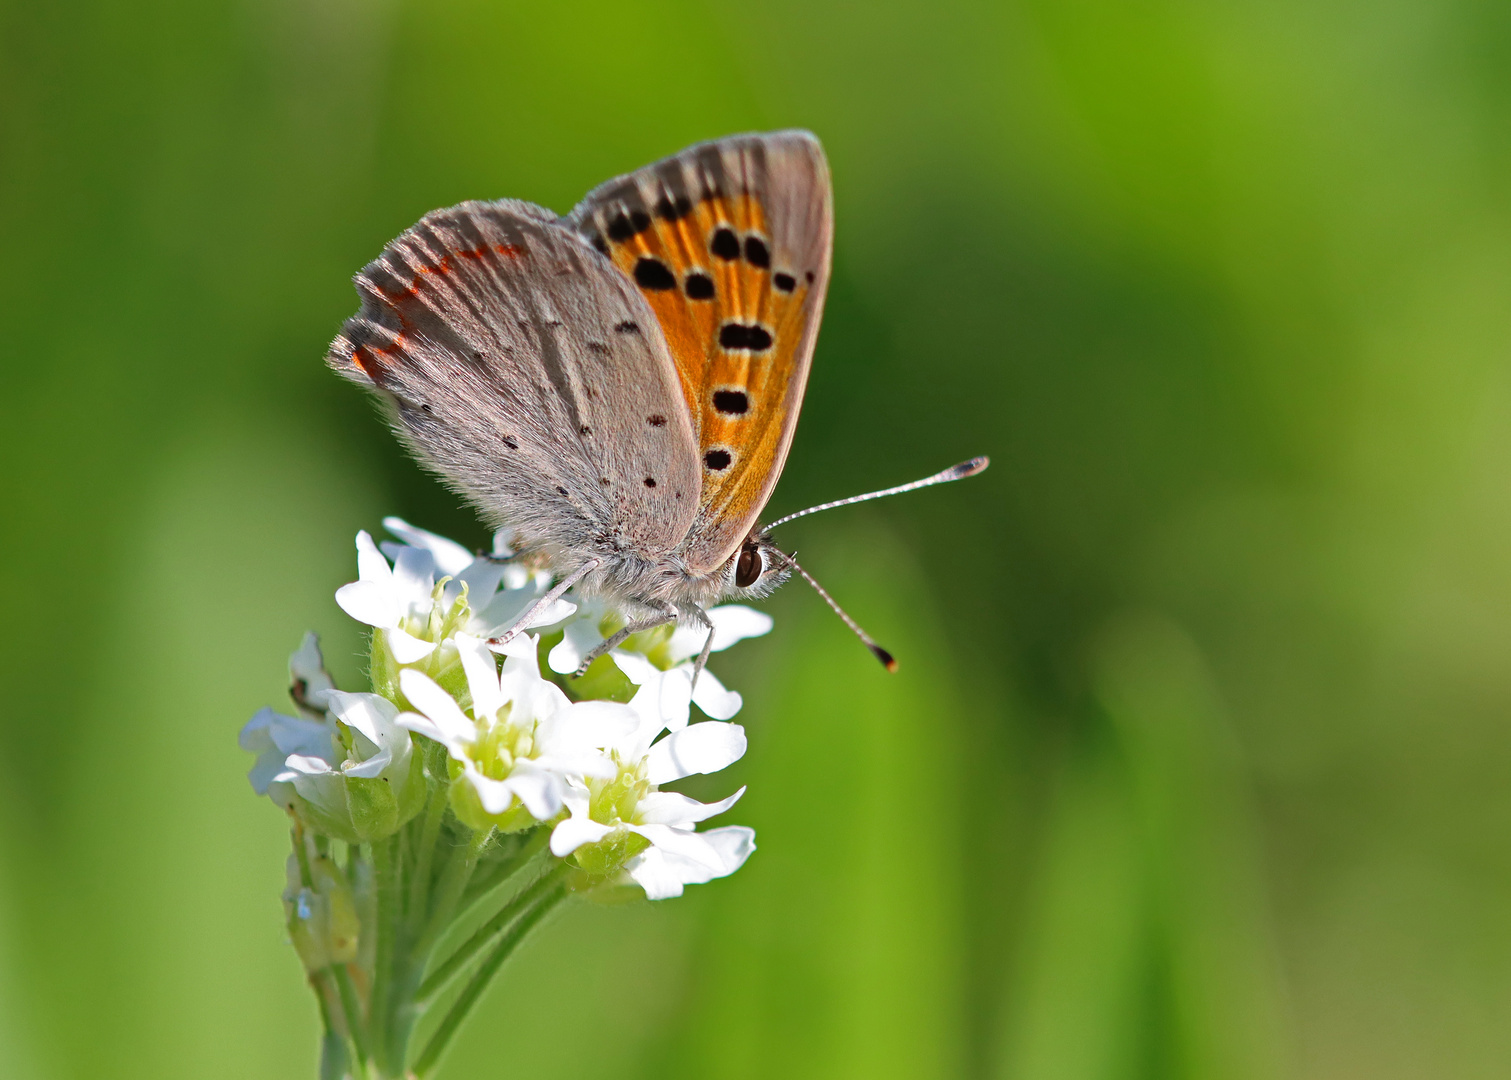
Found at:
[954, 472]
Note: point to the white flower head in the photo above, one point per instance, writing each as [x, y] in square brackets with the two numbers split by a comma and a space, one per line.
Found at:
[417, 616]
[351, 775]
[627, 824]
[523, 741]
[661, 665]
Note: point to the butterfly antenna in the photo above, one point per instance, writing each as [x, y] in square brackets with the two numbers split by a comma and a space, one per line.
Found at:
[954, 472]
[888, 661]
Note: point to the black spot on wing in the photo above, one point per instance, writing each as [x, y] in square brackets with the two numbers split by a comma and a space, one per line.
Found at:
[725, 244]
[629, 326]
[731, 402]
[656, 421]
[784, 282]
[751, 337]
[757, 253]
[673, 209]
[650, 481]
[620, 229]
[717, 460]
[699, 286]
[652, 274]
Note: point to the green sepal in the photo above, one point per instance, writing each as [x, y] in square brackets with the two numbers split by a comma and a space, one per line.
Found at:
[608, 856]
[468, 808]
[322, 917]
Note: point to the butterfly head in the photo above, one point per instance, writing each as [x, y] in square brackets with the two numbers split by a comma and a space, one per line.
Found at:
[757, 569]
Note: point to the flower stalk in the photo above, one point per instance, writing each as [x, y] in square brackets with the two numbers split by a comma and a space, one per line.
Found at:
[440, 816]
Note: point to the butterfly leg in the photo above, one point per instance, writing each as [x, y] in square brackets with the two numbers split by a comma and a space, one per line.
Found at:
[708, 644]
[540, 605]
[618, 637]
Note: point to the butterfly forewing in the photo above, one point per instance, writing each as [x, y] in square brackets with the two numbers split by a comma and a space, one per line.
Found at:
[729, 243]
[531, 375]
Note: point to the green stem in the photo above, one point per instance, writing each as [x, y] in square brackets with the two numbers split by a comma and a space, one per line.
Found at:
[485, 935]
[351, 1009]
[453, 881]
[462, 1007]
[335, 1059]
[386, 880]
[430, 831]
[497, 874]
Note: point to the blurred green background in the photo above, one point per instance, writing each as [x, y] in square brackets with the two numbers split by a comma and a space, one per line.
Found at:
[1198, 764]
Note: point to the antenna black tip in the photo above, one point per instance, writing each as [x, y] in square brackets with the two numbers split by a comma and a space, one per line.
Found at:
[970, 468]
[888, 661]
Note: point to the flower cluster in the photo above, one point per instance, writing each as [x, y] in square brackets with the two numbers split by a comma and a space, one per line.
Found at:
[479, 782]
[522, 752]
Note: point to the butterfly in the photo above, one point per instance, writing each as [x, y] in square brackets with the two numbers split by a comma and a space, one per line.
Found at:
[621, 385]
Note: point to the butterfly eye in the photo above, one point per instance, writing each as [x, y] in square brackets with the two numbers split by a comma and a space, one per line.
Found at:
[748, 569]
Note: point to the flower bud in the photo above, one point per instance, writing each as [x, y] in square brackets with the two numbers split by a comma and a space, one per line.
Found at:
[322, 916]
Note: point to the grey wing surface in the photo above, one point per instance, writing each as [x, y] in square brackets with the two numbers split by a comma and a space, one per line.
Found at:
[527, 372]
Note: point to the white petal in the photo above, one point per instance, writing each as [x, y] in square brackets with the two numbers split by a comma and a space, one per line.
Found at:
[732, 623]
[654, 873]
[440, 706]
[556, 611]
[571, 833]
[414, 578]
[637, 669]
[697, 748]
[538, 790]
[369, 602]
[482, 675]
[495, 795]
[598, 766]
[666, 696]
[674, 808]
[406, 648]
[266, 771]
[734, 843]
[308, 766]
[715, 701]
[736, 622]
[579, 639]
[520, 647]
[590, 725]
[370, 769]
[256, 733]
[371, 566]
[689, 845]
[307, 665]
[369, 714]
[423, 725]
[482, 579]
[450, 557]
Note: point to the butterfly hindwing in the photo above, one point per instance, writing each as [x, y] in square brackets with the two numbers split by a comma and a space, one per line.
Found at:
[729, 243]
[530, 375]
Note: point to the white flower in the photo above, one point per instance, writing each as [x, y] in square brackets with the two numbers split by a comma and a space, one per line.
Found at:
[664, 673]
[355, 780]
[524, 740]
[629, 824]
[415, 615]
[273, 737]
